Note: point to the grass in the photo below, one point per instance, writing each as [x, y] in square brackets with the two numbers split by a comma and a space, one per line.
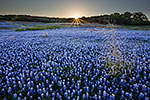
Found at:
[2, 21]
[37, 28]
[114, 57]
[46, 34]
[144, 27]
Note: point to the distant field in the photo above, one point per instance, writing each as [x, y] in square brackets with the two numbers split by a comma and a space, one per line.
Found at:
[146, 27]
[22, 26]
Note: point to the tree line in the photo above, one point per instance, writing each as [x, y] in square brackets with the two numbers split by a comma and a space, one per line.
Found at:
[29, 18]
[126, 18]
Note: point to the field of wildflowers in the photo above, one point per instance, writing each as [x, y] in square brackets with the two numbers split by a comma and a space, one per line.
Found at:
[75, 64]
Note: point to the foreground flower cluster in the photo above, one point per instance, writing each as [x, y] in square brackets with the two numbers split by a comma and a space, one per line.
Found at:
[70, 64]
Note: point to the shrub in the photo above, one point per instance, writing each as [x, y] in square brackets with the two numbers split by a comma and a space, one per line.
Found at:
[20, 29]
[37, 28]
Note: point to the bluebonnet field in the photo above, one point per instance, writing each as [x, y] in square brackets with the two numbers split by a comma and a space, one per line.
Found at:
[75, 64]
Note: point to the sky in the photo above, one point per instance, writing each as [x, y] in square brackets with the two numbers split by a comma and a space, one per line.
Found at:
[70, 8]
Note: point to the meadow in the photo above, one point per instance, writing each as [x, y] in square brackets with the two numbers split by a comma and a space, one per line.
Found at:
[75, 63]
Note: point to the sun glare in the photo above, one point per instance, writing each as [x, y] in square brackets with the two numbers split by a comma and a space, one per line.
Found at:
[77, 21]
[76, 16]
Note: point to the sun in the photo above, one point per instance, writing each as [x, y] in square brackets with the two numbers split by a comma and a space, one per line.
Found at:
[77, 20]
[76, 16]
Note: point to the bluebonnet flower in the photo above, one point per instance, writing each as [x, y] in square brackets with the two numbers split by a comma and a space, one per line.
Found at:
[19, 98]
[116, 91]
[65, 94]
[59, 83]
[25, 98]
[15, 95]
[87, 95]
[149, 76]
[39, 98]
[104, 94]
[42, 95]
[20, 94]
[99, 98]
[10, 90]
[141, 96]
[83, 96]
[130, 95]
[144, 89]
[122, 97]
[31, 97]
[112, 97]
[47, 95]
[95, 97]
[87, 89]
